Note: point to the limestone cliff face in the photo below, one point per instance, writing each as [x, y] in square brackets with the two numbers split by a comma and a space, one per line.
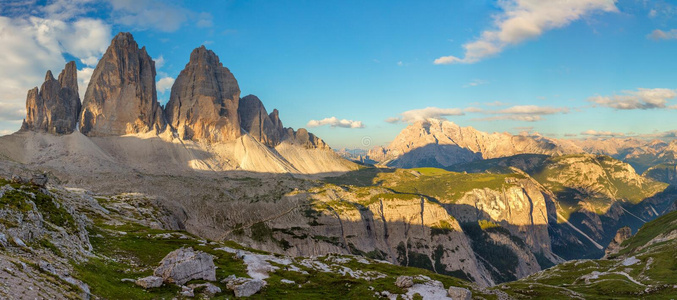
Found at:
[255, 120]
[55, 107]
[203, 105]
[121, 97]
[521, 207]
[437, 143]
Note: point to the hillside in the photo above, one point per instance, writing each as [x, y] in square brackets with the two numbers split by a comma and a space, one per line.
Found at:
[645, 267]
[100, 245]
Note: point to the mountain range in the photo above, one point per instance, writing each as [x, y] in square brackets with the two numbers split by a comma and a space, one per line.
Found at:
[117, 196]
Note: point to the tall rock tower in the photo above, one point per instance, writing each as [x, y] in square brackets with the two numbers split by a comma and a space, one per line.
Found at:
[121, 97]
[204, 100]
[55, 107]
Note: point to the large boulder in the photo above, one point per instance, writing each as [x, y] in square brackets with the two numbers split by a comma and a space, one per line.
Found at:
[185, 264]
[149, 282]
[121, 97]
[404, 282]
[204, 100]
[459, 293]
[245, 287]
[54, 108]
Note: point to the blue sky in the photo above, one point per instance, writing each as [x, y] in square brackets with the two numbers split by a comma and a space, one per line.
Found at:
[580, 68]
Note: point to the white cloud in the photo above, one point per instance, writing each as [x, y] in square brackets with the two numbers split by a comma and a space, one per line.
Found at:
[532, 110]
[424, 114]
[400, 63]
[32, 45]
[159, 62]
[524, 118]
[473, 109]
[523, 20]
[335, 122]
[525, 113]
[592, 132]
[392, 120]
[205, 20]
[84, 76]
[663, 35]
[639, 99]
[164, 84]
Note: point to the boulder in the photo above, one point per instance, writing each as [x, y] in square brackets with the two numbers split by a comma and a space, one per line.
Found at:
[615, 245]
[203, 105]
[149, 282]
[245, 287]
[404, 282]
[185, 264]
[39, 180]
[54, 108]
[459, 293]
[208, 288]
[187, 292]
[121, 97]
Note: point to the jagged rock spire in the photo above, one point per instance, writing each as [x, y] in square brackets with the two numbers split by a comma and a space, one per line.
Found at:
[203, 105]
[55, 107]
[121, 96]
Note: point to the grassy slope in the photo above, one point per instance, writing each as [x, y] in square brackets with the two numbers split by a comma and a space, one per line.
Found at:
[135, 254]
[656, 271]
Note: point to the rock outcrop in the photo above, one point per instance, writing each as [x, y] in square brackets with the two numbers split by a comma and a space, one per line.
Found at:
[121, 97]
[255, 120]
[55, 107]
[203, 105]
[185, 264]
[621, 235]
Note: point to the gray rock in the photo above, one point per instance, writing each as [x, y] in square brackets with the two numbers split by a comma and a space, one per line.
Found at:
[209, 288]
[245, 287]
[404, 282]
[121, 96]
[204, 100]
[3, 240]
[149, 282]
[40, 180]
[185, 264]
[55, 107]
[615, 245]
[459, 293]
[187, 292]
[255, 120]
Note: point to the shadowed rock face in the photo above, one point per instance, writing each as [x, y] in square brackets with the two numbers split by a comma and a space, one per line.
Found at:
[204, 101]
[121, 97]
[55, 107]
[255, 120]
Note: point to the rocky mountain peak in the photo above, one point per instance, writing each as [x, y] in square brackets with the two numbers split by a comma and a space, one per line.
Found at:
[203, 105]
[121, 96]
[54, 108]
[255, 120]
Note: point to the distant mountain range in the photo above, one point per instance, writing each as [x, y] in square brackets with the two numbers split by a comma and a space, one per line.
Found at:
[441, 143]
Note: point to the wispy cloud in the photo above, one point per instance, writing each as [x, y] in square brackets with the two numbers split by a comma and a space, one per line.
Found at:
[523, 20]
[335, 122]
[424, 114]
[165, 84]
[475, 82]
[525, 113]
[639, 99]
[663, 35]
[596, 133]
[154, 14]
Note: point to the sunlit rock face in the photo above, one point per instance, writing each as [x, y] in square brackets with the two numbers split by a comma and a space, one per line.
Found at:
[121, 97]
